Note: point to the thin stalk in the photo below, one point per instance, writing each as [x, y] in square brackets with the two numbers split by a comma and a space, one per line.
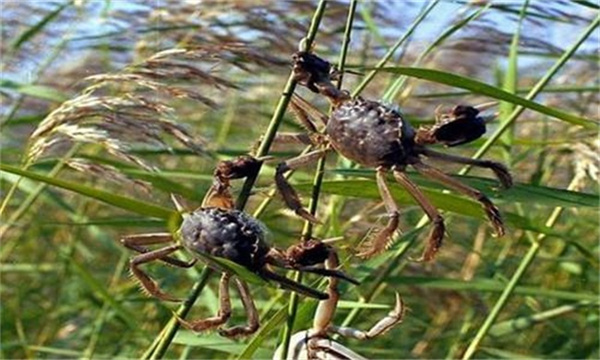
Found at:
[316, 191]
[291, 317]
[159, 347]
[510, 82]
[517, 276]
[88, 353]
[462, 333]
[393, 49]
[284, 101]
[346, 42]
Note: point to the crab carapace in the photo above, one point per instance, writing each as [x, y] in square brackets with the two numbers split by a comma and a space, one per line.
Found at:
[218, 230]
[377, 136]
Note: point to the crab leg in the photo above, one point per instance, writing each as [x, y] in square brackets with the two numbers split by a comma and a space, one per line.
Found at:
[222, 315]
[383, 238]
[491, 211]
[437, 232]
[382, 326]
[499, 170]
[305, 110]
[292, 138]
[318, 343]
[326, 308]
[147, 283]
[290, 196]
[139, 241]
[321, 348]
[251, 313]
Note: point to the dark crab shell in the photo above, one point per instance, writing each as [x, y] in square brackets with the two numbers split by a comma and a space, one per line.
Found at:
[370, 133]
[230, 234]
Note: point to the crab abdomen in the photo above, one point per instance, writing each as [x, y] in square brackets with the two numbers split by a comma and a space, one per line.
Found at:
[370, 133]
[230, 234]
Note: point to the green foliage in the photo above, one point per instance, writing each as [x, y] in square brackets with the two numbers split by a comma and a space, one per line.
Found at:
[87, 161]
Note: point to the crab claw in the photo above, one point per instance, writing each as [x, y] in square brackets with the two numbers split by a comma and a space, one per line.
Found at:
[238, 168]
[463, 125]
[392, 319]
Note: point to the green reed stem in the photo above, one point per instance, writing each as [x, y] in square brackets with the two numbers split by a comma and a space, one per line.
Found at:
[164, 339]
[316, 191]
[284, 101]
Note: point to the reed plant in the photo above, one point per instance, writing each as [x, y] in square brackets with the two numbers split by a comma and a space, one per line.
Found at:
[109, 107]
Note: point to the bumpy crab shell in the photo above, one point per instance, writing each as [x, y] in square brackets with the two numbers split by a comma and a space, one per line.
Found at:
[384, 137]
[240, 238]
[230, 234]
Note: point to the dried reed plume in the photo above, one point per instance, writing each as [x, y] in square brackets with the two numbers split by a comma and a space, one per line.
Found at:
[586, 158]
[130, 109]
[106, 172]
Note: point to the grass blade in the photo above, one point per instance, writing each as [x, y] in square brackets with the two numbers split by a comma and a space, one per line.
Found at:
[544, 196]
[487, 285]
[134, 205]
[37, 91]
[32, 31]
[478, 87]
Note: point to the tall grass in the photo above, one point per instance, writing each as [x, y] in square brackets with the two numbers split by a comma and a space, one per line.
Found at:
[85, 161]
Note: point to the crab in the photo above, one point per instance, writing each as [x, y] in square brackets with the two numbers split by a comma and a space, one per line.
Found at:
[315, 343]
[377, 136]
[217, 231]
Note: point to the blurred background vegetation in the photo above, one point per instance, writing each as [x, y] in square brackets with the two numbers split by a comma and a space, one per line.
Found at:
[124, 102]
